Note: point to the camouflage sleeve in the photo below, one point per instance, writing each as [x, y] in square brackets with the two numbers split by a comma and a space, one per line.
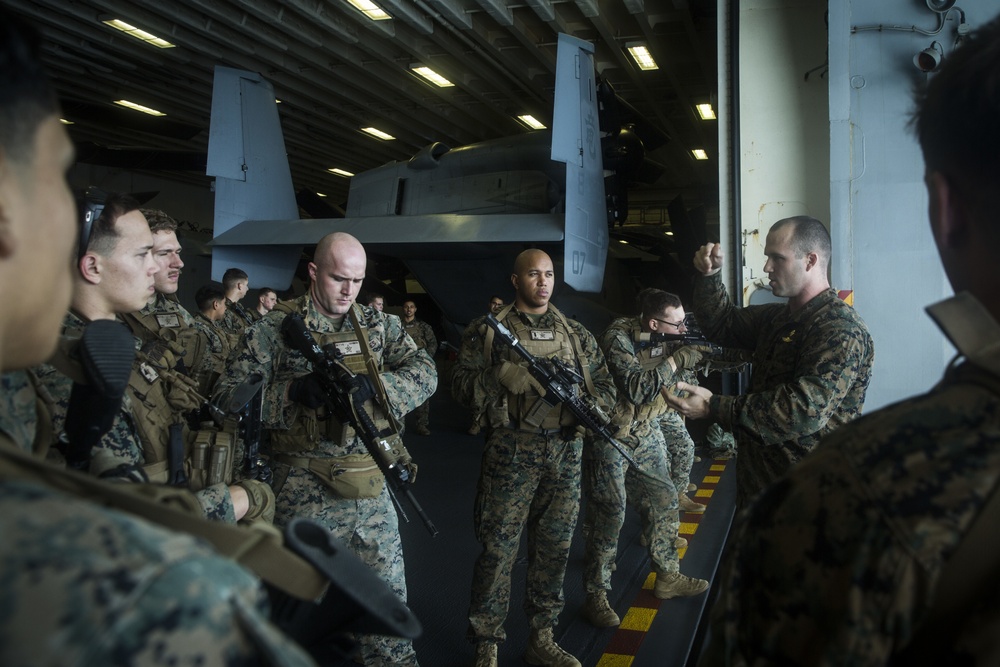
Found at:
[638, 386]
[604, 384]
[473, 382]
[255, 354]
[823, 376]
[217, 503]
[720, 320]
[139, 595]
[409, 375]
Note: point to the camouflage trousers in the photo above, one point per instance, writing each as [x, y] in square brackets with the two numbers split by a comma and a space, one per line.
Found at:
[370, 528]
[526, 480]
[680, 448]
[609, 483]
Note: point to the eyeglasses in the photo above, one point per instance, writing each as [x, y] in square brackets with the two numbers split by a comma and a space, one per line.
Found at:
[90, 210]
[675, 325]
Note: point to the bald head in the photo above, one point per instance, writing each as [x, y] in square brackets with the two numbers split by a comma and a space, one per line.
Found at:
[337, 272]
[533, 280]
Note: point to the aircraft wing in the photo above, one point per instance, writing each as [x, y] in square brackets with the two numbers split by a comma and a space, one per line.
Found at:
[398, 230]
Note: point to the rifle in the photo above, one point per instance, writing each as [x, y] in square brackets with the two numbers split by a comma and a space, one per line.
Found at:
[105, 352]
[560, 382]
[697, 341]
[247, 406]
[346, 393]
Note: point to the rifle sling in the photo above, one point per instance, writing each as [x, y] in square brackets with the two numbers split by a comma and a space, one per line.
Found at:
[259, 551]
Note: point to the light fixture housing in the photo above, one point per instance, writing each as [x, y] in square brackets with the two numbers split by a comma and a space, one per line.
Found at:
[138, 107]
[377, 133]
[643, 58]
[705, 111]
[699, 153]
[430, 75]
[930, 58]
[138, 33]
[531, 122]
[370, 9]
[339, 172]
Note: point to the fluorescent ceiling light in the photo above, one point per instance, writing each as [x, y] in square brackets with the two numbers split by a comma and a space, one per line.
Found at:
[705, 111]
[642, 56]
[132, 31]
[338, 172]
[277, 101]
[370, 9]
[65, 122]
[431, 76]
[531, 122]
[139, 107]
[699, 154]
[320, 194]
[378, 133]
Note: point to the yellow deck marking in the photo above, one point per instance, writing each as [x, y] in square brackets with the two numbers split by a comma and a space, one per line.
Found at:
[638, 618]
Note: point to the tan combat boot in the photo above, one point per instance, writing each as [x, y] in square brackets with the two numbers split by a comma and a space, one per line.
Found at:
[680, 542]
[486, 655]
[676, 585]
[598, 612]
[543, 650]
[688, 505]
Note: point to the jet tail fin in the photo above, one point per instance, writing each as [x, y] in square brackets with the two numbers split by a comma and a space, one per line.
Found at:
[246, 155]
[576, 141]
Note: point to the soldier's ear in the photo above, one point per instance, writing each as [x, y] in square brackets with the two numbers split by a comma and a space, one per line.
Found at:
[947, 214]
[90, 268]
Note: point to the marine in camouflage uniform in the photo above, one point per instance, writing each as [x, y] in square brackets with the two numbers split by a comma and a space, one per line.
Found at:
[307, 441]
[530, 475]
[880, 547]
[812, 357]
[641, 370]
[80, 584]
[840, 563]
[134, 450]
[423, 335]
[219, 343]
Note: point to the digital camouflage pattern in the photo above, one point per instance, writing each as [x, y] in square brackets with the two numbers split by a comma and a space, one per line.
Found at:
[526, 479]
[236, 319]
[369, 526]
[165, 318]
[609, 482]
[423, 335]
[811, 370]
[838, 563]
[17, 411]
[80, 584]
[119, 455]
[220, 345]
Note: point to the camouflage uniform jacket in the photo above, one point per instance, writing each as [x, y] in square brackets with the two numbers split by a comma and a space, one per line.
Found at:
[423, 335]
[96, 586]
[408, 374]
[636, 386]
[811, 369]
[220, 343]
[120, 455]
[838, 563]
[167, 319]
[474, 381]
[236, 319]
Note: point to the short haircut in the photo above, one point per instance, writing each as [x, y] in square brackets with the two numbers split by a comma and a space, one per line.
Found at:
[159, 221]
[206, 295]
[956, 121]
[265, 290]
[808, 235]
[104, 233]
[26, 96]
[654, 301]
[233, 276]
[373, 296]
